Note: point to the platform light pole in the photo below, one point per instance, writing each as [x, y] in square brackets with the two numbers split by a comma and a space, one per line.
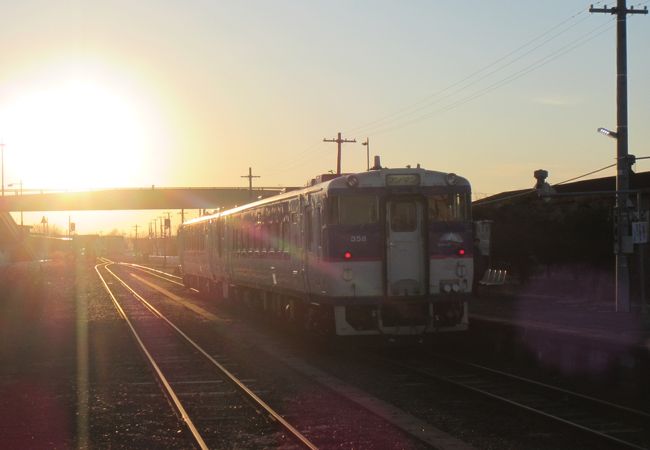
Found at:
[367, 145]
[162, 236]
[2, 152]
[20, 183]
[622, 158]
[135, 243]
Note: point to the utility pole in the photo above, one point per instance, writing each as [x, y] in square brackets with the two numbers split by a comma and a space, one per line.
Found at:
[2, 150]
[367, 145]
[622, 158]
[339, 141]
[135, 243]
[250, 177]
[21, 196]
[168, 224]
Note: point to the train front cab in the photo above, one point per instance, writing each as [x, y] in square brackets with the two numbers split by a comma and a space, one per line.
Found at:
[421, 278]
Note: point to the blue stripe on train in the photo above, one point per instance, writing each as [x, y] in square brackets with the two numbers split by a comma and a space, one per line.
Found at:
[365, 242]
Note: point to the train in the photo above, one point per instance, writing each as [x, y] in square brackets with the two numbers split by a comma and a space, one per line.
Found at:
[382, 252]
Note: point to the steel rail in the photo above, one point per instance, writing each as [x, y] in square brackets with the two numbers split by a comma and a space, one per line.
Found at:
[155, 272]
[241, 386]
[170, 391]
[429, 374]
[550, 387]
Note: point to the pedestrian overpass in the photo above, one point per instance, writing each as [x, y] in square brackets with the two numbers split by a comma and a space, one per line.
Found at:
[135, 199]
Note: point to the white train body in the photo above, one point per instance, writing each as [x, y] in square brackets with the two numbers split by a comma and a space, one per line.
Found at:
[387, 251]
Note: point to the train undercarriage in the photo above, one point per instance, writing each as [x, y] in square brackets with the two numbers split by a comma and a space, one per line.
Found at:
[391, 316]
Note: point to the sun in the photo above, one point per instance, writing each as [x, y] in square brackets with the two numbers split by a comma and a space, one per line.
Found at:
[75, 133]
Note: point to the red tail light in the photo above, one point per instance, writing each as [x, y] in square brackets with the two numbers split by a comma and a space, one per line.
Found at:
[461, 252]
[347, 255]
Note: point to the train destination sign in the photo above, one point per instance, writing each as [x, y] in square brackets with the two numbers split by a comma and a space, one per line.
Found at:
[412, 179]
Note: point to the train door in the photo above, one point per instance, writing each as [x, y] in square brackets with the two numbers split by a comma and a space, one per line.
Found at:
[313, 247]
[405, 252]
[307, 244]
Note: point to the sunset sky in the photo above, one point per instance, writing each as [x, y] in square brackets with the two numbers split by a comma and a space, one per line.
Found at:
[191, 93]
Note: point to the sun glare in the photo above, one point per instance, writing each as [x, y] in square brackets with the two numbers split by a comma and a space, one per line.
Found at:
[75, 134]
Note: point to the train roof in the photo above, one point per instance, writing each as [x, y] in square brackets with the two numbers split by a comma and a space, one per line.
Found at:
[405, 176]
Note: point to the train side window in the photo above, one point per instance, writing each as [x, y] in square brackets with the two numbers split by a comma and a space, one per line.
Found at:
[284, 239]
[295, 237]
[276, 237]
[220, 237]
[333, 210]
[308, 228]
[267, 236]
[317, 229]
[256, 236]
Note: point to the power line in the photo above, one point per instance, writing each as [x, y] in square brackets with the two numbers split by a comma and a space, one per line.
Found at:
[429, 100]
[503, 199]
[530, 191]
[509, 79]
[299, 159]
[586, 174]
[383, 124]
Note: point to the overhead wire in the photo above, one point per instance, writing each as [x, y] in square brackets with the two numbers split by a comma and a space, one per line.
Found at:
[504, 81]
[585, 175]
[382, 127]
[462, 84]
[530, 191]
[503, 199]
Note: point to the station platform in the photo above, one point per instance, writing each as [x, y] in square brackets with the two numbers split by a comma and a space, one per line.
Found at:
[563, 315]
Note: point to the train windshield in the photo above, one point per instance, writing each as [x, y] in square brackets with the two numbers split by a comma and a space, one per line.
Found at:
[448, 207]
[354, 209]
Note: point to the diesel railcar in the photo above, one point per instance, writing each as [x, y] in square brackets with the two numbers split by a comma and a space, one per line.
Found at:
[388, 251]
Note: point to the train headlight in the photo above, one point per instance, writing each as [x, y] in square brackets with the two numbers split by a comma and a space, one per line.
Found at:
[347, 274]
[451, 286]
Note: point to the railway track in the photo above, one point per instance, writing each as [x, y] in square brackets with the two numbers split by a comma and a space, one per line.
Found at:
[205, 394]
[338, 411]
[604, 421]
